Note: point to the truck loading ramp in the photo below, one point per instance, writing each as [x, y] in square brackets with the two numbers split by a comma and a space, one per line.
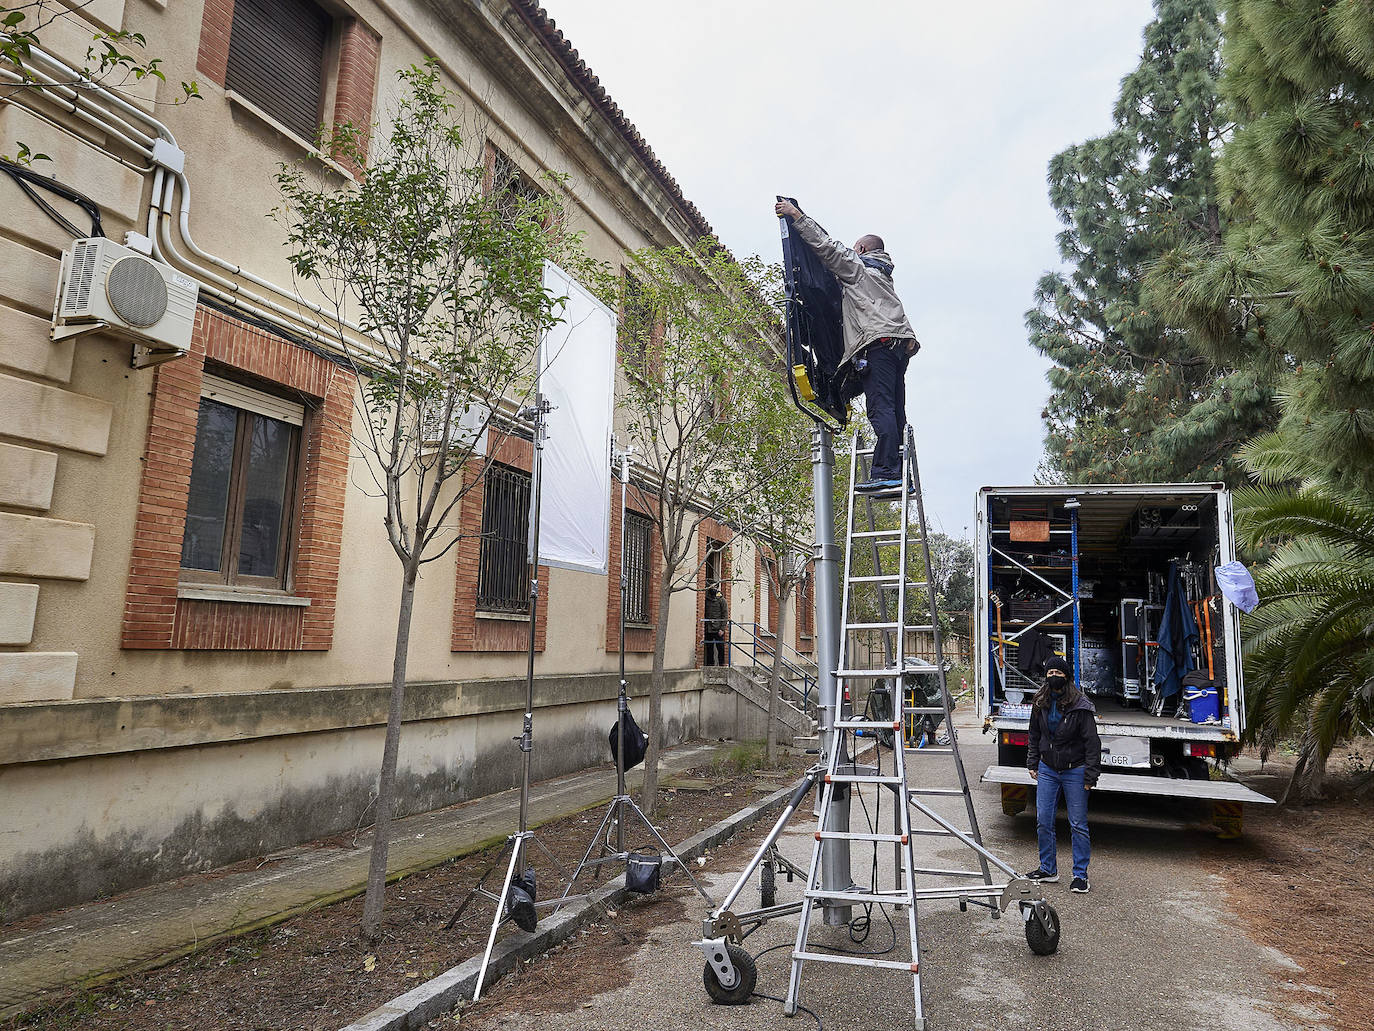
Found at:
[1210, 790]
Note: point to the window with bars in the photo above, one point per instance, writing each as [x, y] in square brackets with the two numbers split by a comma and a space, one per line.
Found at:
[636, 562]
[513, 189]
[277, 59]
[503, 578]
[636, 326]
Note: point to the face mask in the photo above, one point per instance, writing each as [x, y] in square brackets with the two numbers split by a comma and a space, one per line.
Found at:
[1056, 685]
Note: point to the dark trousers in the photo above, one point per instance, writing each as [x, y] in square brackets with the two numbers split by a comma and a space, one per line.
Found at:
[884, 383]
[715, 649]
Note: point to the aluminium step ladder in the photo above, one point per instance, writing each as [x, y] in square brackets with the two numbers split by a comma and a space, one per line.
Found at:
[894, 587]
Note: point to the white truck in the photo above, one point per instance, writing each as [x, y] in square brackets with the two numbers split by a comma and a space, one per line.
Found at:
[1119, 580]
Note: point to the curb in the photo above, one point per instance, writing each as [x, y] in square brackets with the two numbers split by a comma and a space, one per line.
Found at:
[414, 1009]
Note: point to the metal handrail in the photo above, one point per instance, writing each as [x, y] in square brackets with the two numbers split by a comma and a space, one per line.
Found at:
[760, 646]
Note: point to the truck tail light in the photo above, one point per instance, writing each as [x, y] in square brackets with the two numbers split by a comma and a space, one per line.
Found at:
[1015, 737]
[1200, 748]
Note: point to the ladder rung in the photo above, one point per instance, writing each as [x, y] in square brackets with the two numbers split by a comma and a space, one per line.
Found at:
[866, 725]
[863, 778]
[935, 792]
[865, 451]
[929, 751]
[896, 535]
[873, 626]
[894, 899]
[887, 578]
[855, 961]
[859, 674]
[933, 872]
[931, 832]
[893, 839]
[923, 710]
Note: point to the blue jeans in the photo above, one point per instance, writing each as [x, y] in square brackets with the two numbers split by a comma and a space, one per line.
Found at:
[884, 383]
[1047, 789]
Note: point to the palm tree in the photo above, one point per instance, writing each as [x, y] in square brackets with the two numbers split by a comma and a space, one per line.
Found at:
[1310, 643]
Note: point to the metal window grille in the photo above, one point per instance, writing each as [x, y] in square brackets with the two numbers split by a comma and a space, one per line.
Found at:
[639, 536]
[503, 581]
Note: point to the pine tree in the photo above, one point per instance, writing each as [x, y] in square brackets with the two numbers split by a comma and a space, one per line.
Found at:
[1134, 400]
[1294, 283]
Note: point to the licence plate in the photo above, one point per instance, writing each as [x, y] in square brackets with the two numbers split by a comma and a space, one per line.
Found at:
[1118, 760]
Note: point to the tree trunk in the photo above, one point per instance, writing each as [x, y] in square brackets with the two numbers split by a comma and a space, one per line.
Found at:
[775, 680]
[386, 781]
[649, 794]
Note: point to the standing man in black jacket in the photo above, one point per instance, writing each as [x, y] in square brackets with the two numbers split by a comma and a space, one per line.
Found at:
[1065, 756]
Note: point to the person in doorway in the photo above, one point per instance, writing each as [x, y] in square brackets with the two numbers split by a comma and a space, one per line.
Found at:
[878, 338]
[1065, 756]
[717, 618]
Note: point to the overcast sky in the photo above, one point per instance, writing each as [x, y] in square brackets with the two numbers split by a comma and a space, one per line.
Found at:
[927, 123]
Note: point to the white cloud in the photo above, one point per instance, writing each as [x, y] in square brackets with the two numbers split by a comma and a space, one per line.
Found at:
[930, 124]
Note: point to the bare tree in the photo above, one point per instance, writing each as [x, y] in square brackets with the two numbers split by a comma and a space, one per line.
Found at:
[442, 269]
[697, 345]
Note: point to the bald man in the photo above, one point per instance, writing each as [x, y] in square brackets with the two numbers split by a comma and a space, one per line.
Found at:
[878, 339]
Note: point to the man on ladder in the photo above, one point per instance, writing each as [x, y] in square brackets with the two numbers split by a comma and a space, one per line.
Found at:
[878, 338]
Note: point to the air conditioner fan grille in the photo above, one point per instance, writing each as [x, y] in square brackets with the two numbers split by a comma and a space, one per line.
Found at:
[136, 291]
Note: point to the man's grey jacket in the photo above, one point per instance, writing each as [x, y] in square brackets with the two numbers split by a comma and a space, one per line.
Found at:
[871, 307]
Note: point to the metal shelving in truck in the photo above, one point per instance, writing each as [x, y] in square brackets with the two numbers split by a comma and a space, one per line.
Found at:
[1120, 580]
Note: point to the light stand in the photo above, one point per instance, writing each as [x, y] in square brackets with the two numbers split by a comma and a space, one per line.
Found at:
[517, 845]
[623, 806]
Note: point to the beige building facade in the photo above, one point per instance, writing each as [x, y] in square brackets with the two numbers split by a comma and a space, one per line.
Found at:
[197, 598]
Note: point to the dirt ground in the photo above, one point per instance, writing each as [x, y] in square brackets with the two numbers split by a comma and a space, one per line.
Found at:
[1299, 882]
[313, 973]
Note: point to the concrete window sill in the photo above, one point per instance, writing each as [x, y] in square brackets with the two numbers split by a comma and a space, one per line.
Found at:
[197, 592]
[507, 617]
[240, 101]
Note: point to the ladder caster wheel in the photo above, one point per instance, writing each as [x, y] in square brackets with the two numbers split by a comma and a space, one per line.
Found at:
[1042, 930]
[768, 885]
[746, 973]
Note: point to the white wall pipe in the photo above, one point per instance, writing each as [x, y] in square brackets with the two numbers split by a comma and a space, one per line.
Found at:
[89, 86]
[80, 95]
[89, 116]
[184, 227]
[316, 330]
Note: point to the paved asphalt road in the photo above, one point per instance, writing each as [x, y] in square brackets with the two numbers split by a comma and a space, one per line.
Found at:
[1152, 948]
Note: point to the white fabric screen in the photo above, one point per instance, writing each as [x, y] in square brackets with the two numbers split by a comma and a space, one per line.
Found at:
[577, 376]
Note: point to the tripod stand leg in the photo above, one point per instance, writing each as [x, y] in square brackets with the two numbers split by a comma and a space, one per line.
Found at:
[592, 900]
[669, 850]
[476, 889]
[586, 856]
[496, 921]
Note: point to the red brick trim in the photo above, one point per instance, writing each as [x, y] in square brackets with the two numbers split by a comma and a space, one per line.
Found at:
[153, 616]
[638, 640]
[212, 60]
[711, 530]
[471, 632]
[762, 586]
[359, 51]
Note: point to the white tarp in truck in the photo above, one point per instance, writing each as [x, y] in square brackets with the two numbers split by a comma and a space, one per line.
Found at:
[577, 377]
[1091, 573]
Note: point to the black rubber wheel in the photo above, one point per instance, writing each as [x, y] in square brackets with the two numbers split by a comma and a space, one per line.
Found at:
[744, 987]
[768, 885]
[1040, 943]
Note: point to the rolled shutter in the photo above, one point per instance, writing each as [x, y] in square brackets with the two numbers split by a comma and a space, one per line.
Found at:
[276, 59]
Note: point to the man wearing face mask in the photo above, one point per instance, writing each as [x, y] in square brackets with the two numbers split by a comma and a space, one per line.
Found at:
[1065, 756]
[878, 338]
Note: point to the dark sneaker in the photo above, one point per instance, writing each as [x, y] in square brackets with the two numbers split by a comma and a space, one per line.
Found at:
[1042, 877]
[1080, 885]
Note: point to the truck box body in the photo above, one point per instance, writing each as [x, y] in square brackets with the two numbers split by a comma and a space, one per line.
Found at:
[1085, 572]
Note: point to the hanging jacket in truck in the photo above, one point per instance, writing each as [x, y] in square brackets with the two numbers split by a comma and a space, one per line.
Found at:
[1075, 743]
[1033, 650]
[1178, 637]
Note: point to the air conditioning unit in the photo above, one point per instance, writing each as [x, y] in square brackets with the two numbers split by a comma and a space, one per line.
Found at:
[106, 286]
